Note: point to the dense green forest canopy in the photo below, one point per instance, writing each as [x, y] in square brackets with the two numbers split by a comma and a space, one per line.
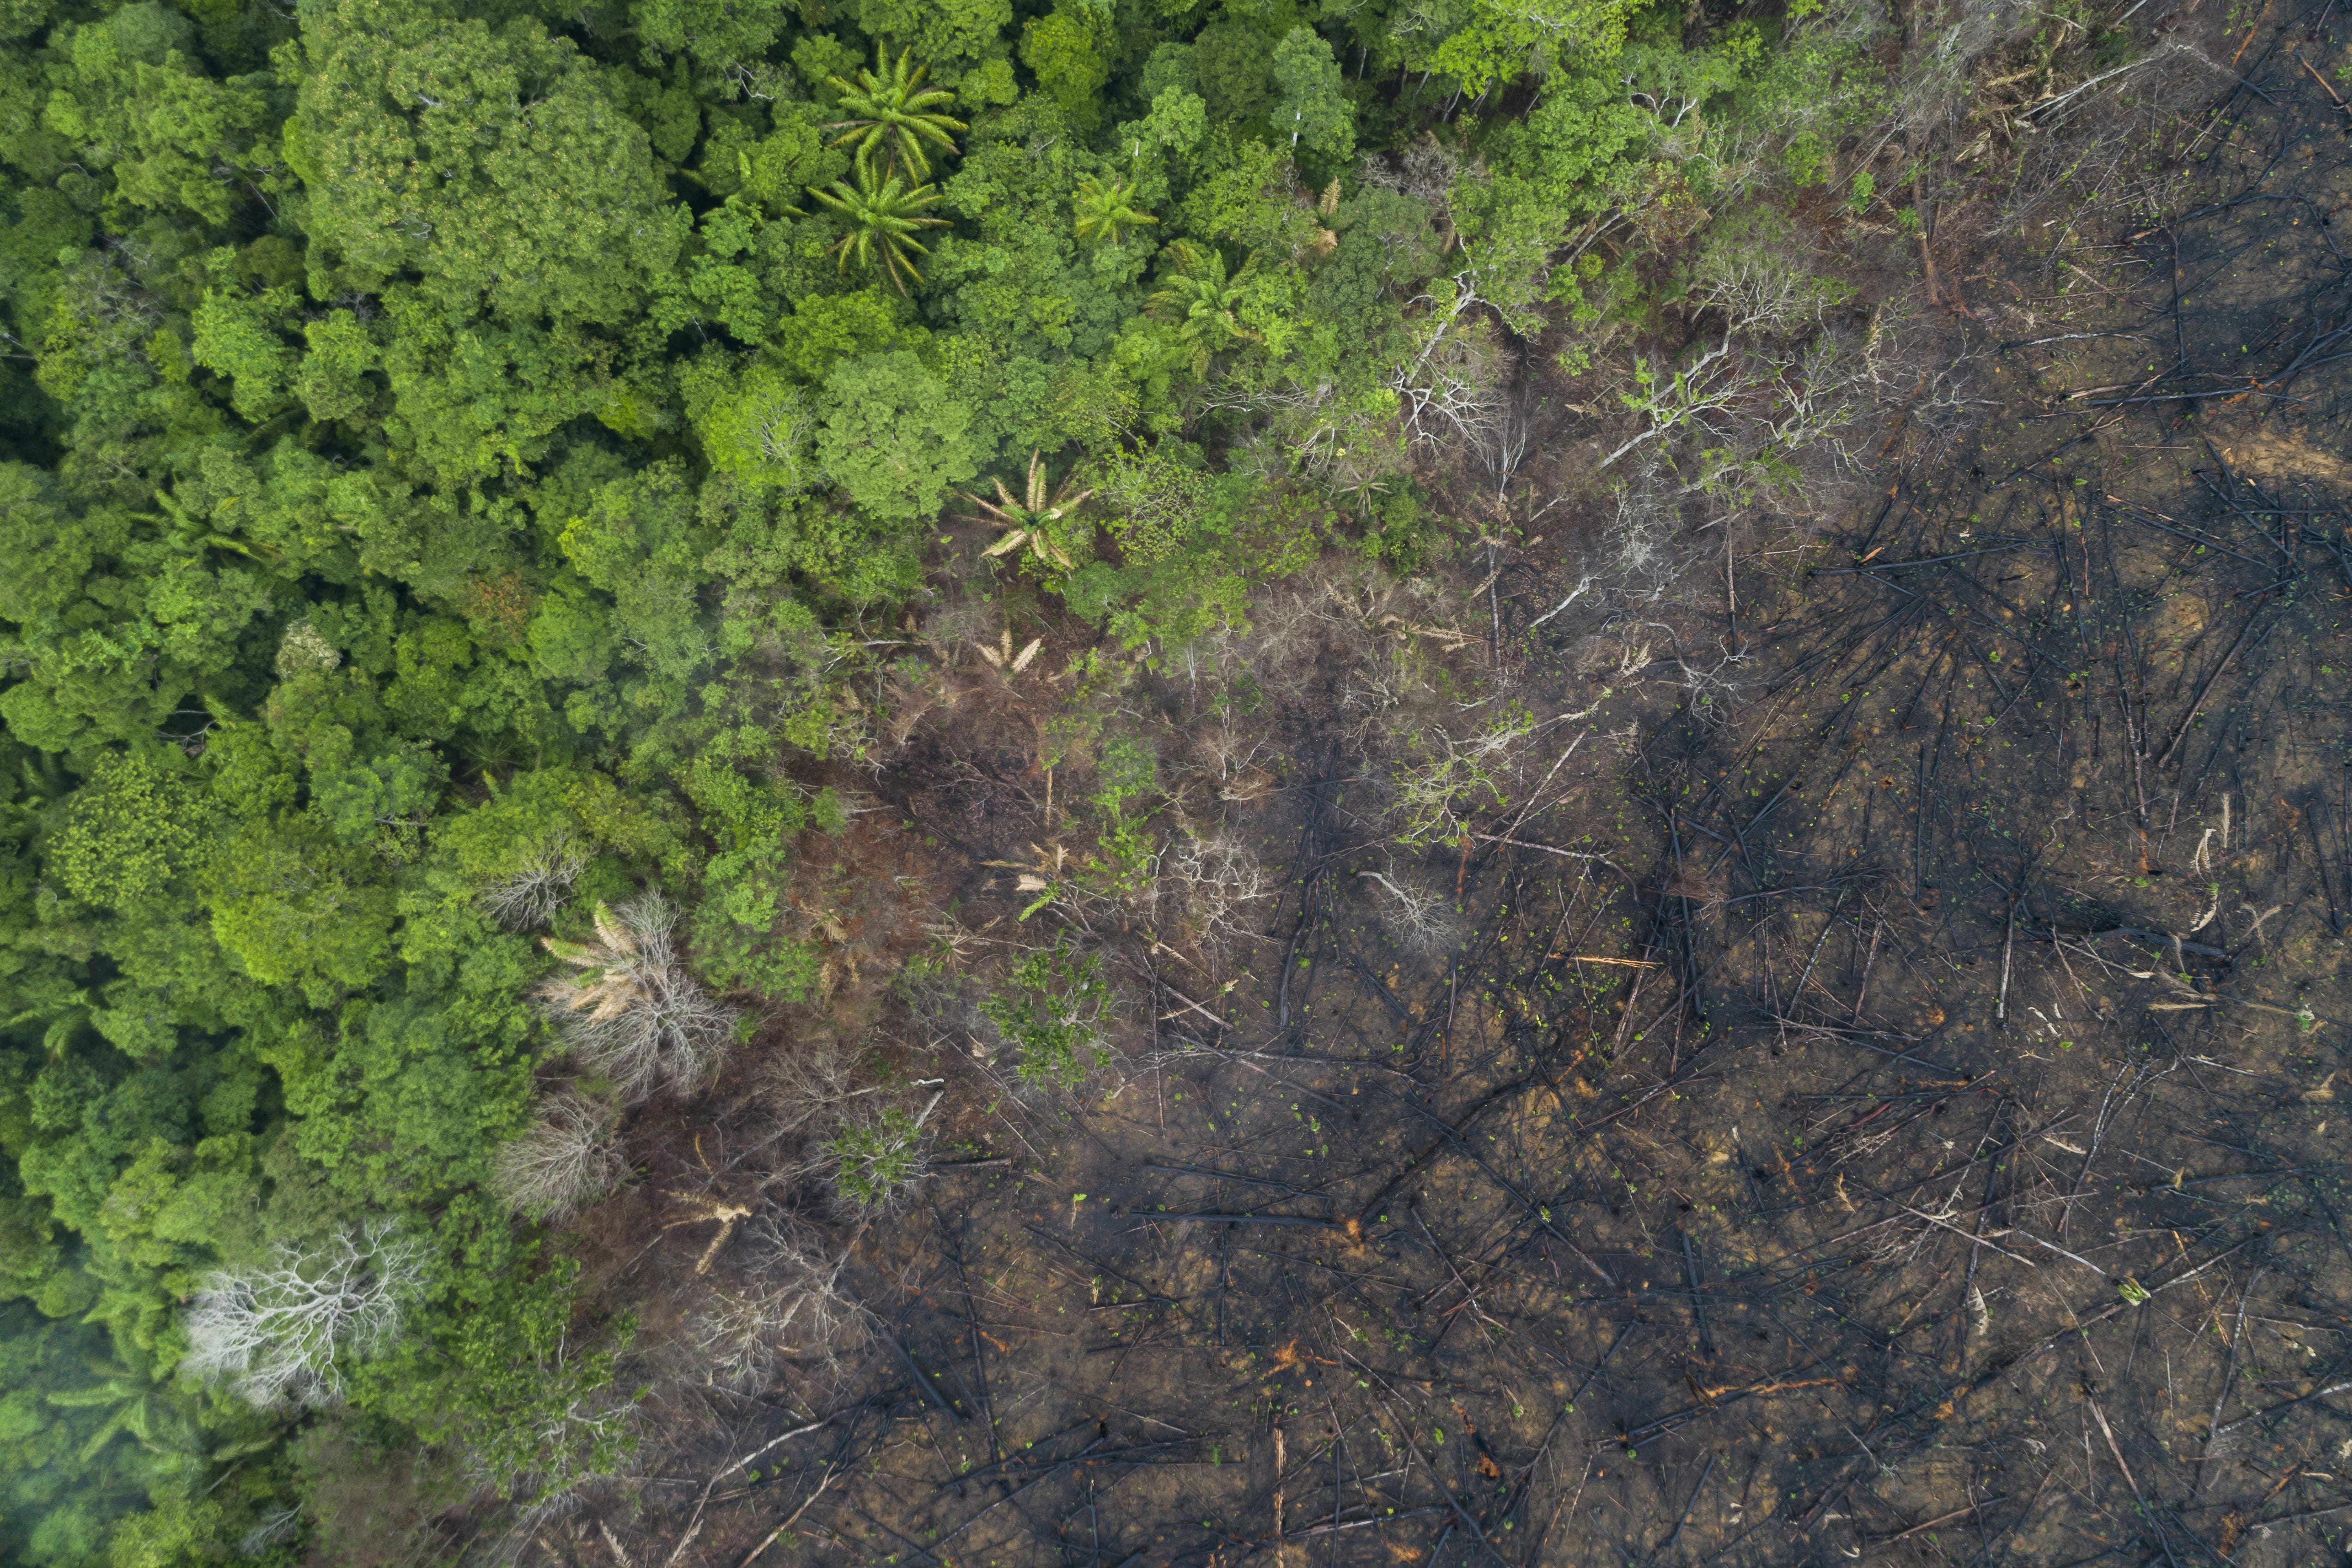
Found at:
[459, 468]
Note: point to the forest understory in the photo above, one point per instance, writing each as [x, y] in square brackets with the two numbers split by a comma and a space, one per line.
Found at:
[1678, 897]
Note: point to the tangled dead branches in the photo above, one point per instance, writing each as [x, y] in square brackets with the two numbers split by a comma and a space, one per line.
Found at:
[633, 1014]
[789, 1302]
[530, 895]
[570, 1157]
[1216, 877]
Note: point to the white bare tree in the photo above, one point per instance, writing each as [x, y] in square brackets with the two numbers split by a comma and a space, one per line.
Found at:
[540, 884]
[777, 422]
[1451, 391]
[632, 1013]
[790, 1303]
[569, 1156]
[282, 1333]
[1216, 877]
[1423, 919]
[1644, 536]
[275, 1525]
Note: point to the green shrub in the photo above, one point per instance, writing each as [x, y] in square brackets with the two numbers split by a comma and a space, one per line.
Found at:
[1050, 1009]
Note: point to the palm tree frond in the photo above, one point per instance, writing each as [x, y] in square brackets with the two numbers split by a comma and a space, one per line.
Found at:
[613, 934]
[889, 107]
[886, 213]
[1105, 210]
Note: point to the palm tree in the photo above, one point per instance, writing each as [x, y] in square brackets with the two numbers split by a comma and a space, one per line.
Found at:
[885, 215]
[1104, 210]
[1199, 296]
[67, 1014]
[895, 112]
[1028, 519]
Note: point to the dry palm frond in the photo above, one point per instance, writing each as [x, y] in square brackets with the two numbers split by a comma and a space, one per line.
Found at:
[1043, 874]
[611, 983]
[1001, 656]
[707, 1209]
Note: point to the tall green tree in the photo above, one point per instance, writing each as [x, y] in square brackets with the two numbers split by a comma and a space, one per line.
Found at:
[1314, 110]
[895, 437]
[1071, 50]
[132, 99]
[940, 32]
[486, 167]
[718, 34]
[1486, 44]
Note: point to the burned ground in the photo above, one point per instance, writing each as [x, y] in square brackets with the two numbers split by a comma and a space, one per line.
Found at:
[1876, 1100]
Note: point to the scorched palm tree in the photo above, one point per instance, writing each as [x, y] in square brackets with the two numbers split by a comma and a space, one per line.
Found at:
[1028, 519]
